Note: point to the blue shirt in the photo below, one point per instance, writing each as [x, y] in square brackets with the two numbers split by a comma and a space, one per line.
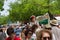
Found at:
[17, 31]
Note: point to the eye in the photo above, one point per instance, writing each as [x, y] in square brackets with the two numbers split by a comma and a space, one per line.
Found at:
[44, 38]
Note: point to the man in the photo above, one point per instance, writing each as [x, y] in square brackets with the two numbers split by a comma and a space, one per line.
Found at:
[1, 34]
[33, 20]
[17, 30]
[55, 29]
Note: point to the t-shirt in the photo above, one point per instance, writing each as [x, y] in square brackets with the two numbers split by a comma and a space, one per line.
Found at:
[16, 38]
[56, 32]
[32, 23]
[1, 36]
[17, 31]
[33, 37]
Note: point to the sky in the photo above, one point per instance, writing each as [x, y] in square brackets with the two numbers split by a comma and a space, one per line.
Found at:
[6, 7]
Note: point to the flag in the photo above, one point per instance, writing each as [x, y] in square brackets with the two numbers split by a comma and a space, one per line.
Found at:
[44, 19]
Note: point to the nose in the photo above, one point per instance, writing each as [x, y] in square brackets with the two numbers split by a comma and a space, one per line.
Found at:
[47, 39]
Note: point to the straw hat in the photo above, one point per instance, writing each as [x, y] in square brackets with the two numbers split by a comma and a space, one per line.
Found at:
[54, 22]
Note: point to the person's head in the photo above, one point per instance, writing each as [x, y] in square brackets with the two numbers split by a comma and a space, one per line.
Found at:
[23, 30]
[58, 26]
[44, 35]
[13, 26]
[1, 30]
[48, 28]
[10, 32]
[32, 18]
[28, 25]
[34, 27]
[4, 28]
[53, 22]
[29, 34]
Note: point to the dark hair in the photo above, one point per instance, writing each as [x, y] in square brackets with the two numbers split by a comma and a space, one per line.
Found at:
[10, 31]
[34, 27]
[1, 30]
[32, 17]
[29, 32]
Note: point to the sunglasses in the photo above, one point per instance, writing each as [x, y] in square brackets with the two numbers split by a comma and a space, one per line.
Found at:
[45, 38]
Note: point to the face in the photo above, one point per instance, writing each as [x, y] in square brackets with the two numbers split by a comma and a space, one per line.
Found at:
[29, 34]
[4, 29]
[12, 36]
[13, 26]
[46, 36]
[33, 19]
[24, 30]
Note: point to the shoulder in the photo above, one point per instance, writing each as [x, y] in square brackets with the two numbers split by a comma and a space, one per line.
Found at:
[8, 38]
[17, 38]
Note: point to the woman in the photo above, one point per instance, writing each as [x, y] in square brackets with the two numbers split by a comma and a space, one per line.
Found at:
[44, 35]
[12, 35]
[29, 34]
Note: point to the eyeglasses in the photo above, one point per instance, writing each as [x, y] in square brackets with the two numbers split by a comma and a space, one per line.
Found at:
[45, 38]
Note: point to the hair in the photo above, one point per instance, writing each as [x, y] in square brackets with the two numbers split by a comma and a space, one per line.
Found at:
[10, 31]
[40, 34]
[1, 30]
[29, 32]
[34, 27]
[32, 17]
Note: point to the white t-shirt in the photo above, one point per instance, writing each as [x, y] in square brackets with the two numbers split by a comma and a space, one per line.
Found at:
[33, 36]
[56, 32]
[32, 23]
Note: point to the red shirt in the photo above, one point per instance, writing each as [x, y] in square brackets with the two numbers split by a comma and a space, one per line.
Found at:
[16, 38]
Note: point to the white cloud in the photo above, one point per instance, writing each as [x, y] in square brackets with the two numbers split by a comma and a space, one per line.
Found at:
[5, 13]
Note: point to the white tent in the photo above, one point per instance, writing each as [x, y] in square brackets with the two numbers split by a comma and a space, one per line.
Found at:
[58, 18]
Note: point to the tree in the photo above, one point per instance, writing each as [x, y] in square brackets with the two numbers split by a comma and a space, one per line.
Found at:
[26, 8]
[23, 9]
[1, 4]
[4, 20]
[54, 8]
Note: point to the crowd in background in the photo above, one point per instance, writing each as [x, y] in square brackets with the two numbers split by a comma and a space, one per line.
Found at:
[30, 31]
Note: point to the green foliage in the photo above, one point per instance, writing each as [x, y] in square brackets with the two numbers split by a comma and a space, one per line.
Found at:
[23, 9]
[54, 9]
[4, 19]
[27, 8]
[1, 4]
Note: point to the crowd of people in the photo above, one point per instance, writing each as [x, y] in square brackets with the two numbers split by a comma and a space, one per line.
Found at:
[30, 31]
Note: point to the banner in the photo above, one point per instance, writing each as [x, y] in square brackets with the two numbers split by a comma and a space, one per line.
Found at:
[44, 19]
